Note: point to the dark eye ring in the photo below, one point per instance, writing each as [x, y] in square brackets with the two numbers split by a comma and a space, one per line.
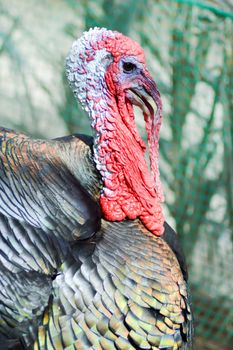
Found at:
[129, 67]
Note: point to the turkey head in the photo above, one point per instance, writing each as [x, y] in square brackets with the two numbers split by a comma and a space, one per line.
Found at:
[108, 74]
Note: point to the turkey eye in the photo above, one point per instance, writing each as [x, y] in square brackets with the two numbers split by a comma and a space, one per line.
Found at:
[128, 67]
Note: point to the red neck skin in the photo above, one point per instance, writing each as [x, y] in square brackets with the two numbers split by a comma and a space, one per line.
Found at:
[128, 188]
[94, 73]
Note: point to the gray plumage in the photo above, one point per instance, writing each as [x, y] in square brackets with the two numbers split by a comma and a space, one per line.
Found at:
[75, 272]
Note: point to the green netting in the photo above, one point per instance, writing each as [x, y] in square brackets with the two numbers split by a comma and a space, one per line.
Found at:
[189, 48]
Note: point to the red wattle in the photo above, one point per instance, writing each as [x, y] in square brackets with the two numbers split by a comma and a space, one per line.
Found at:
[129, 190]
[132, 188]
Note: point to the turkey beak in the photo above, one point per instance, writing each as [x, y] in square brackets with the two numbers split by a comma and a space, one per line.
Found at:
[152, 91]
[147, 97]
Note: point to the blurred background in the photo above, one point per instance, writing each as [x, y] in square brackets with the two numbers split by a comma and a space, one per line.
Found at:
[189, 49]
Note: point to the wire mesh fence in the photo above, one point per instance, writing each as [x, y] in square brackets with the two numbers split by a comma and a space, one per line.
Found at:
[189, 49]
[196, 54]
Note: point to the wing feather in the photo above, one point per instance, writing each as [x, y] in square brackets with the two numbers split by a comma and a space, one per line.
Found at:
[44, 204]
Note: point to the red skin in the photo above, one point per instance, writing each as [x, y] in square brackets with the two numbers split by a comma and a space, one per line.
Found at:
[133, 190]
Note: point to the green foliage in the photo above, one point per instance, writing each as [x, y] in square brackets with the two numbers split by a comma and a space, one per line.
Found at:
[9, 48]
[112, 14]
[190, 64]
[227, 131]
[69, 110]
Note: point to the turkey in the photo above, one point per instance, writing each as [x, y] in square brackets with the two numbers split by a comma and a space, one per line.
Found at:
[87, 261]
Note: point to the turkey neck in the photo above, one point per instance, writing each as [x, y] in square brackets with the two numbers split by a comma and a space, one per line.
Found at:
[119, 153]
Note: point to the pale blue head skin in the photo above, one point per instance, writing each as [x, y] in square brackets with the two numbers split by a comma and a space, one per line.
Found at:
[87, 77]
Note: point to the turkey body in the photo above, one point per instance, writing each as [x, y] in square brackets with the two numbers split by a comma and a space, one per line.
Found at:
[69, 278]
